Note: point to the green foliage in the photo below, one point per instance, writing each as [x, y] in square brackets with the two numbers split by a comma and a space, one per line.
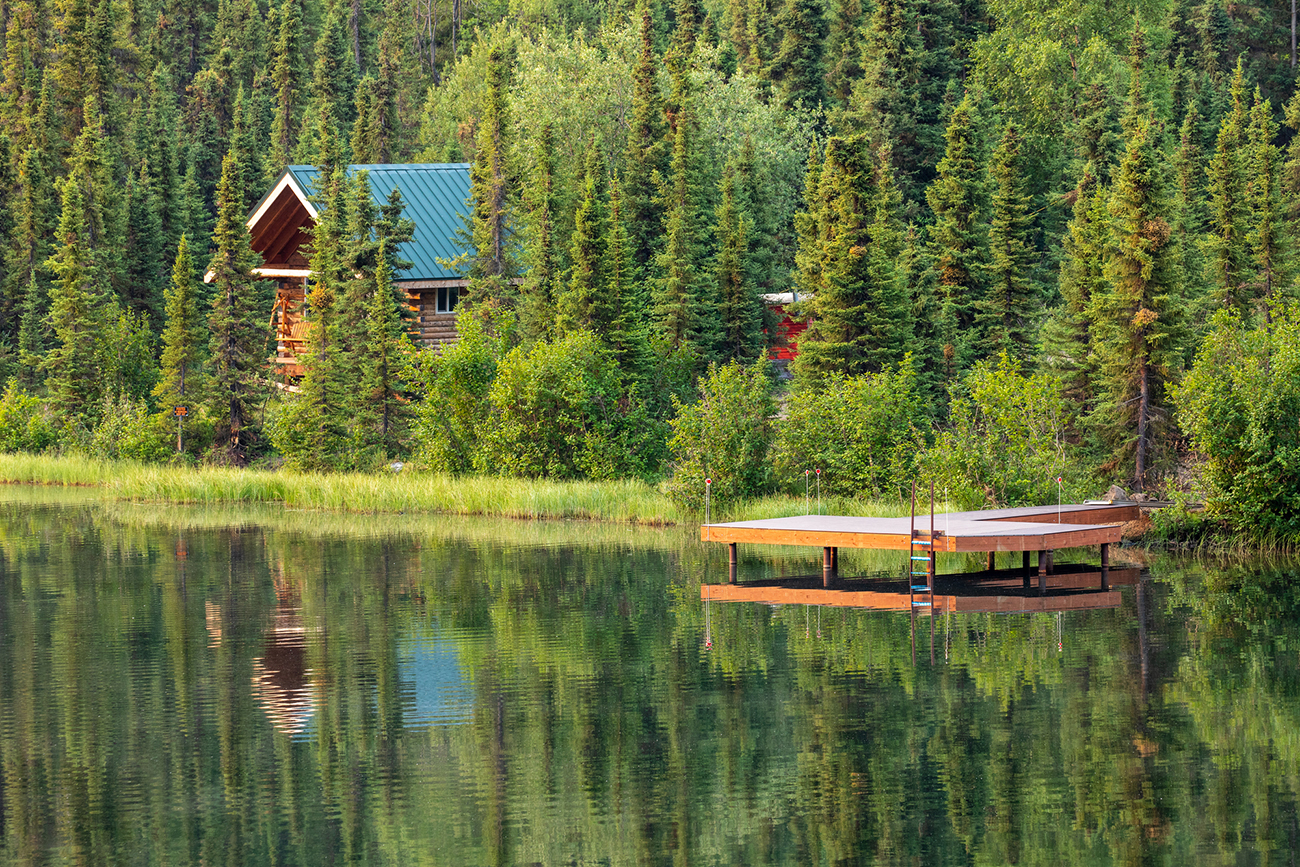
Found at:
[181, 375]
[456, 381]
[1006, 444]
[128, 431]
[865, 433]
[237, 338]
[852, 242]
[1239, 404]
[959, 199]
[26, 423]
[557, 410]
[725, 436]
[1006, 316]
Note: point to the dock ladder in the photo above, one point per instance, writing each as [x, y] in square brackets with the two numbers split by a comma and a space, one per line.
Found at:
[921, 551]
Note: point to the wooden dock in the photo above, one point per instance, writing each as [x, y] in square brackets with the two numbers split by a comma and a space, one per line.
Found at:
[1043, 529]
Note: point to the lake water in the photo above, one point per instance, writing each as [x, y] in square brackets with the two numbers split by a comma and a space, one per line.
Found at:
[185, 686]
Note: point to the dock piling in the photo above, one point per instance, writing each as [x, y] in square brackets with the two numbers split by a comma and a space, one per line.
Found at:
[731, 556]
[828, 566]
[1105, 565]
[1042, 572]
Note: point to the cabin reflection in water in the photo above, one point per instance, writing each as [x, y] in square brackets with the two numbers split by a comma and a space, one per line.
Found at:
[282, 683]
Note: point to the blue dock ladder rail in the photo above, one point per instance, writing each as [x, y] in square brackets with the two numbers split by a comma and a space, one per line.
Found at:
[921, 551]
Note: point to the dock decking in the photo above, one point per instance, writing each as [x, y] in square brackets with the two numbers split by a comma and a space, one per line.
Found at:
[1043, 529]
[1026, 529]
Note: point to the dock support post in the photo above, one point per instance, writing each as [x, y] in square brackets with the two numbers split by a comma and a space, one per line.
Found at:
[828, 566]
[835, 561]
[993, 559]
[1051, 561]
[1024, 567]
[1105, 565]
[731, 556]
[1042, 572]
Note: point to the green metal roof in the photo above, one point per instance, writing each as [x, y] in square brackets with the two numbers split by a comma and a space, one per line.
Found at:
[435, 195]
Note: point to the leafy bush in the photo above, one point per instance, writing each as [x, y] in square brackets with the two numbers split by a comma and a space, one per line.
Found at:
[863, 432]
[725, 436]
[1239, 405]
[25, 422]
[127, 430]
[559, 410]
[457, 380]
[1006, 445]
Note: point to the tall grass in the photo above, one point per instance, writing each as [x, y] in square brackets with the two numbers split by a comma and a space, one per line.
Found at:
[627, 501]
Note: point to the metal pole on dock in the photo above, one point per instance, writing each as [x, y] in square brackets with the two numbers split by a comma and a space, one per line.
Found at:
[930, 568]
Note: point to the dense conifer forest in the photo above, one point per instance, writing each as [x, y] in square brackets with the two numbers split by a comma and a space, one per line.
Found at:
[1038, 245]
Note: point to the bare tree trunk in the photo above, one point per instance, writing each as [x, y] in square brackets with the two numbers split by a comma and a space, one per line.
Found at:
[1143, 422]
[354, 24]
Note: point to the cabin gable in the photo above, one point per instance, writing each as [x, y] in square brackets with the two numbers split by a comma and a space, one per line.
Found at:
[435, 198]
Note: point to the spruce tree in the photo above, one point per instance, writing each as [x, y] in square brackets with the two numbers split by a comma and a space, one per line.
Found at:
[28, 243]
[1007, 314]
[797, 70]
[742, 308]
[237, 334]
[583, 304]
[32, 328]
[646, 156]
[680, 303]
[1067, 333]
[1230, 204]
[1269, 242]
[628, 336]
[959, 236]
[1190, 214]
[858, 316]
[491, 259]
[538, 290]
[1137, 320]
[287, 78]
[383, 410]
[81, 307]
[144, 266]
[323, 409]
[182, 337]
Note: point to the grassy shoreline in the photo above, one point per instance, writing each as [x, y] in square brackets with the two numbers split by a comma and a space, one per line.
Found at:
[629, 501]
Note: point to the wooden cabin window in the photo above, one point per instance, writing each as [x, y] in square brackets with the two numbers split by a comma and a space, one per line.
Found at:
[447, 298]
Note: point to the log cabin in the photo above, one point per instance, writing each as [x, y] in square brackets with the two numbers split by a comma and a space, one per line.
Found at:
[435, 196]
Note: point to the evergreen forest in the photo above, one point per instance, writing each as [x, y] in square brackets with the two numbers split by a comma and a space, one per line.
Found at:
[1040, 247]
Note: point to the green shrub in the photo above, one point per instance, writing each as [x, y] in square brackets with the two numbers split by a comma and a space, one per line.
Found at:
[1239, 404]
[127, 431]
[1006, 444]
[456, 381]
[725, 436]
[559, 410]
[865, 433]
[26, 424]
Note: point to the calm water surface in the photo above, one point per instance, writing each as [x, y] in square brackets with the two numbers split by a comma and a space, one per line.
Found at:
[195, 687]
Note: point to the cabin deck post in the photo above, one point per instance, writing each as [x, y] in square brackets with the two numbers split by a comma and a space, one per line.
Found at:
[731, 556]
